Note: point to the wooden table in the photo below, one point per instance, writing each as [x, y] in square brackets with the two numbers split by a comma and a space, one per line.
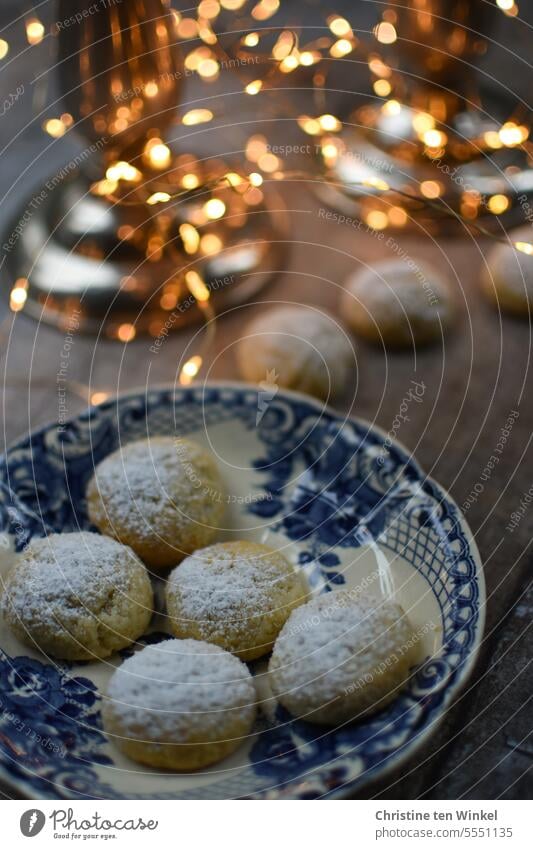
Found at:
[474, 381]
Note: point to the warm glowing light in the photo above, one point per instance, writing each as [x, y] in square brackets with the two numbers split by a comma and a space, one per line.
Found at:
[309, 125]
[511, 134]
[18, 295]
[233, 179]
[268, 162]
[208, 68]
[385, 33]
[214, 208]
[190, 181]
[256, 146]
[397, 216]
[104, 187]
[492, 139]
[196, 286]
[99, 397]
[197, 116]
[377, 220]
[265, 9]
[251, 40]
[422, 122]
[190, 238]
[157, 153]
[505, 4]
[382, 88]
[4, 48]
[126, 332]
[378, 67]
[524, 247]
[498, 204]
[434, 138]
[254, 87]
[158, 197]
[308, 58]
[232, 5]
[34, 31]
[123, 171]
[329, 151]
[377, 183]
[190, 370]
[329, 123]
[290, 63]
[187, 28]
[151, 89]
[255, 179]
[431, 189]
[208, 9]
[339, 26]
[210, 244]
[55, 128]
[391, 107]
[341, 48]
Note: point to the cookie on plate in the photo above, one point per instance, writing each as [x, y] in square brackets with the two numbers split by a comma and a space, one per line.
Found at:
[77, 596]
[163, 497]
[237, 595]
[180, 704]
[341, 656]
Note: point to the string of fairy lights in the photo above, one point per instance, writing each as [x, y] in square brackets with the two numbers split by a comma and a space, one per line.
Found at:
[282, 51]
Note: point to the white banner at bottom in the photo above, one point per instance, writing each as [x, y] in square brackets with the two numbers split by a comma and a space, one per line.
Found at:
[356, 823]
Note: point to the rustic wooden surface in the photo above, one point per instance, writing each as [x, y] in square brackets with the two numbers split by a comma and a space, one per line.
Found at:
[478, 375]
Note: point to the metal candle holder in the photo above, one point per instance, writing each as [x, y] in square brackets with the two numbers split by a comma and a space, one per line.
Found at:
[94, 246]
[440, 133]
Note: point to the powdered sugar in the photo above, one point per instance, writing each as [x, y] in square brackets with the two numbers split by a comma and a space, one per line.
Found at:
[145, 480]
[180, 690]
[337, 645]
[230, 589]
[60, 576]
[307, 348]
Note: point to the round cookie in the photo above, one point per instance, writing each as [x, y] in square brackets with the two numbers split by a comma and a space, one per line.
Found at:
[162, 497]
[299, 348]
[78, 596]
[397, 303]
[507, 277]
[180, 704]
[341, 656]
[237, 595]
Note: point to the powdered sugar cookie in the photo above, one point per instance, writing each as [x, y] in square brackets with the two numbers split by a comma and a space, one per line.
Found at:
[297, 347]
[507, 278]
[341, 656]
[237, 595]
[163, 497]
[180, 704]
[397, 303]
[78, 596]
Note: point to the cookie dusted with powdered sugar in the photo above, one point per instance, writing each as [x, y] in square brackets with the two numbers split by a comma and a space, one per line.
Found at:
[298, 347]
[341, 656]
[180, 704]
[163, 497]
[398, 303]
[237, 595]
[78, 596]
[507, 276]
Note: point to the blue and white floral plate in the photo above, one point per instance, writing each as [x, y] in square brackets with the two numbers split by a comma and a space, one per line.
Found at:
[338, 497]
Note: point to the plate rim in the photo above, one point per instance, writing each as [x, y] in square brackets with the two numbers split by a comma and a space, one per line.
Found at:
[451, 693]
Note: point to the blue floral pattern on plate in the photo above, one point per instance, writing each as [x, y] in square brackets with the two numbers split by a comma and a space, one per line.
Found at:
[325, 484]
